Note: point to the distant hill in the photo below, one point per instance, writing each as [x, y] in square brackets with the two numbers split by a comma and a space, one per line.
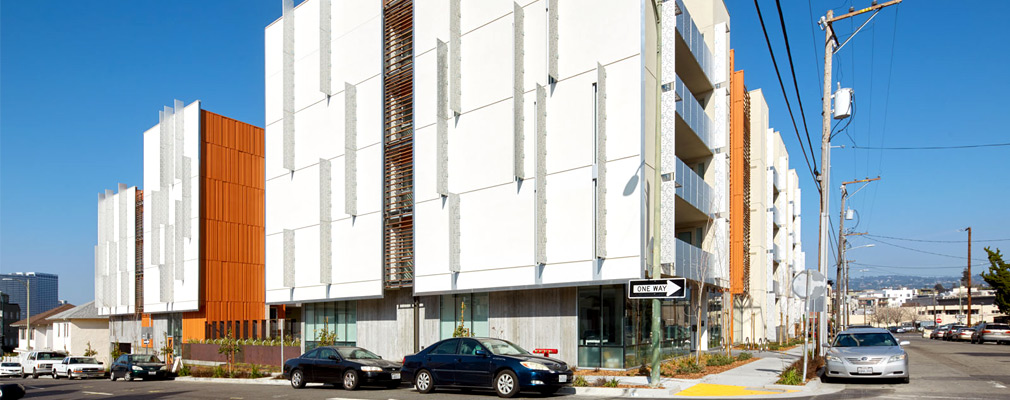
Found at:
[909, 281]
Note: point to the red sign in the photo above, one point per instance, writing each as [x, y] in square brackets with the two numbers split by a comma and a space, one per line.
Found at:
[938, 320]
[545, 352]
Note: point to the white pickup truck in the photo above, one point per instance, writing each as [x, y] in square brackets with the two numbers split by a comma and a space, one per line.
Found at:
[79, 367]
[40, 363]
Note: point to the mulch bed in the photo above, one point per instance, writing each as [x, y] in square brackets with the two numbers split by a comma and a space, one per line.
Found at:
[639, 372]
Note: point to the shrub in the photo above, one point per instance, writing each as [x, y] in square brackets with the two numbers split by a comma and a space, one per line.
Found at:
[717, 360]
[612, 383]
[219, 372]
[744, 356]
[599, 382]
[254, 372]
[184, 371]
[790, 377]
[688, 365]
[579, 381]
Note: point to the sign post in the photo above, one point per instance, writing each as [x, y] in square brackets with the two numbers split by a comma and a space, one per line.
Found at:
[670, 288]
[806, 284]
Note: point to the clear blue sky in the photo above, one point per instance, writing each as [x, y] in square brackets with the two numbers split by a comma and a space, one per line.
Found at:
[80, 81]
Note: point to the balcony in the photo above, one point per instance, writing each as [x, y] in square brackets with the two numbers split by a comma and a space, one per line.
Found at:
[692, 262]
[777, 288]
[778, 217]
[691, 117]
[694, 58]
[778, 253]
[693, 190]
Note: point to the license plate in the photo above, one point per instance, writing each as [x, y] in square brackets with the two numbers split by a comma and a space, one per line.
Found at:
[864, 370]
[395, 375]
[152, 372]
[562, 378]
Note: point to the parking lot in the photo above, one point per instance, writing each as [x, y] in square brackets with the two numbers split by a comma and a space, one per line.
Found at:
[942, 370]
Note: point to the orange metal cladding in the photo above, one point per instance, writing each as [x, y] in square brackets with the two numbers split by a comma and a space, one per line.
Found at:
[231, 224]
[739, 184]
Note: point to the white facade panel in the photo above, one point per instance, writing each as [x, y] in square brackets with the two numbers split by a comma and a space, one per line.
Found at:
[170, 257]
[596, 31]
[115, 265]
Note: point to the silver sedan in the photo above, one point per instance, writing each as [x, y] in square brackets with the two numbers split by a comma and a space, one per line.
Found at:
[867, 353]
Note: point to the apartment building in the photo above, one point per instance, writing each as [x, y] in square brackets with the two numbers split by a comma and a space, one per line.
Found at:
[505, 166]
[765, 307]
[185, 253]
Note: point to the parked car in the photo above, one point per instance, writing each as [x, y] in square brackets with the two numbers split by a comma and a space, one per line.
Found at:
[348, 366]
[484, 363]
[867, 353]
[897, 329]
[12, 391]
[963, 334]
[79, 367]
[991, 332]
[951, 332]
[139, 366]
[10, 369]
[41, 363]
[859, 326]
[939, 332]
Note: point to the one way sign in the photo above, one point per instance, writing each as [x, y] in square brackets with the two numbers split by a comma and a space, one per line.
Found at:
[671, 288]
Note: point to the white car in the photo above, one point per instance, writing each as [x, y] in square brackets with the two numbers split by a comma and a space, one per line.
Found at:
[41, 363]
[79, 367]
[10, 369]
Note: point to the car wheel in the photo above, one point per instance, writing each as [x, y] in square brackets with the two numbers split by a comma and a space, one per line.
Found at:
[906, 379]
[506, 384]
[350, 379]
[35, 373]
[424, 382]
[112, 376]
[129, 376]
[297, 379]
[55, 376]
[980, 341]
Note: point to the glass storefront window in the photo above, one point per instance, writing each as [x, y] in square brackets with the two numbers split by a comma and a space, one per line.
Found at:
[339, 317]
[602, 326]
[474, 316]
[714, 319]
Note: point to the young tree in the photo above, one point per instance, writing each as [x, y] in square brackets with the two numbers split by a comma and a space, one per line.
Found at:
[998, 278]
[89, 352]
[326, 337]
[461, 329]
[229, 347]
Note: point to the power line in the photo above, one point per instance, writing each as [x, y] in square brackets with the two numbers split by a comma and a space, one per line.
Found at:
[786, 95]
[938, 241]
[907, 266]
[792, 70]
[968, 146]
[924, 251]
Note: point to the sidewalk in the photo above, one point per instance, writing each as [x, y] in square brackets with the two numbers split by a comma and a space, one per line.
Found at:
[752, 380]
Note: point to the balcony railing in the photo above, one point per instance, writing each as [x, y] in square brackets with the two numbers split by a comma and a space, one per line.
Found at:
[778, 216]
[692, 262]
[693, 189]
[778, 253]
[693, 113]
[695, 41]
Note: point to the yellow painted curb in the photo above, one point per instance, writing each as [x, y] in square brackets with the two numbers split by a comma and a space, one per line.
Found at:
[713, 390]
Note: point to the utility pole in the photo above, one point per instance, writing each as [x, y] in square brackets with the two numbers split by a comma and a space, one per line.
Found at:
[969, 276]
[830, 43]
[841, 275]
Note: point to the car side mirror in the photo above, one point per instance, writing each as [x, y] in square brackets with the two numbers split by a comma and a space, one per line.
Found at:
[904, 343]
[482, 353]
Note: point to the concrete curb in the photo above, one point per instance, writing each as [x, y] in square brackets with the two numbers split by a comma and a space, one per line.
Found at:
[257, 381]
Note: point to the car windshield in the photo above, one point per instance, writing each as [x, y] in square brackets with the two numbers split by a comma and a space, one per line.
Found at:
[10, 365]
[144, 358]
[503, 348]
[357, 353]
[83, 360]
[864, 340]
[50, 356]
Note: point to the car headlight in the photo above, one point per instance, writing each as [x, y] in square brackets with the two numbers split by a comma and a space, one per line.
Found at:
[535, 366]
[163, 368]
[136, 368]
[834, 358]
[898, 357]
[369, 368]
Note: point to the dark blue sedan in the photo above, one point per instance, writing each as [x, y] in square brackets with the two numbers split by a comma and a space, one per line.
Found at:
[484, 363]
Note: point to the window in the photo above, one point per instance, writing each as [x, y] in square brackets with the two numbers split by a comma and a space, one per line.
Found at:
[338, 317]
[325, 353]
[312, 354]
[469, 347]
[468, 309]
[447, 347]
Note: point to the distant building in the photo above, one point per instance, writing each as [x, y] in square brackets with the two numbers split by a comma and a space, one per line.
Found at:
[897, 297]
[40, 336]
[9, 313]
[44, 288]
[79, 328]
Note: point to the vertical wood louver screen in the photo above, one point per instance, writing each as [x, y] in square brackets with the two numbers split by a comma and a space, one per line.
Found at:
[138, 283]
[398, 142]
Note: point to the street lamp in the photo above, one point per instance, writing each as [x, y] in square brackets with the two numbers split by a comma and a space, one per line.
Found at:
[28, 309]
[845, 273]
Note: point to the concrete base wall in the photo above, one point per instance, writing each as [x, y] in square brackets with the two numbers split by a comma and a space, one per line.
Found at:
[386, 326]
[532, 319]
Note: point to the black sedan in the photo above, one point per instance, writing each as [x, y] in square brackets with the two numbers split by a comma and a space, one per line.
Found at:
[349, 366]
[139, 366]
[484, 363]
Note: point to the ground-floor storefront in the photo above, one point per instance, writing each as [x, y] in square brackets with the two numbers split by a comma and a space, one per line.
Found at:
[588, 326]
